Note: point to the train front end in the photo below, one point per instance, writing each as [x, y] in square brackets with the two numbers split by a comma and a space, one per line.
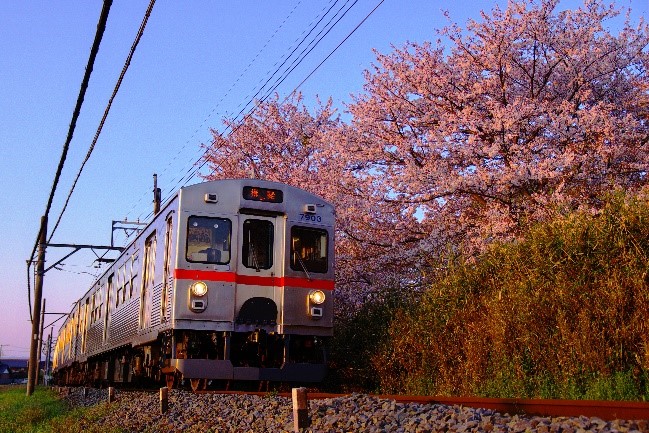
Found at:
[253, 286]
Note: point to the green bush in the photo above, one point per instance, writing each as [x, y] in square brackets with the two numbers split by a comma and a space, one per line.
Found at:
[562, 313]
[19, 413]
[356, 340]
[44, 412]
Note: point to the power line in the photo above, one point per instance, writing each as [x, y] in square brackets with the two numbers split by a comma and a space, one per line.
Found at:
[232, 86]
[191, 172]
[101, 27]
[283, 75]
[127, 63]
[251, 99]
[269, 76]
[195, 170]
[335, 49]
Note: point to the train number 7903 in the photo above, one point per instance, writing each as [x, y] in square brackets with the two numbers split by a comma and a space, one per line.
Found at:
[311, 218]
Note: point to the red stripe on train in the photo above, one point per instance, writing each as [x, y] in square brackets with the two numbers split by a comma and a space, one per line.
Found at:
[232, 277]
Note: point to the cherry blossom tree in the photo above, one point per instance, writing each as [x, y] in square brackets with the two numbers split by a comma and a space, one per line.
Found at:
[284, 142]
[529, 109]
[463, 141]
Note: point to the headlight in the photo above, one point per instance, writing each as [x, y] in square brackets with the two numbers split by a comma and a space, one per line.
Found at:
[316, 297]
[199, 288]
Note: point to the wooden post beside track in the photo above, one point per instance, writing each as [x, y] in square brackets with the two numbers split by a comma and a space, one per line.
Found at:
[300, 409]
[164, 400]
[111, 394]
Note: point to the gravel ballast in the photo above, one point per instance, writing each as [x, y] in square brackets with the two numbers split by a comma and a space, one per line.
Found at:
[139, 411]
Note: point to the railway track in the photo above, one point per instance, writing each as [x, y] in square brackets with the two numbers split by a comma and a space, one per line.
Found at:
[606, 410]
[182, 410]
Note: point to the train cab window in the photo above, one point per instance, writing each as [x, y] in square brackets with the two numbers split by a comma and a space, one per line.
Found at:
[308, 249]
[208, 240]
[257, 248]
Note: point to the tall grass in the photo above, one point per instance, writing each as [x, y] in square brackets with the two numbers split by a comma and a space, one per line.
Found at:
[563, 313]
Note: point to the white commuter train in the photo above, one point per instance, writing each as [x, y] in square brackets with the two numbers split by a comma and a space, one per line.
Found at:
[231, 280]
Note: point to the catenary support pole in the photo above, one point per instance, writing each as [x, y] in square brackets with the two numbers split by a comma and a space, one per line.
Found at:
[32, 370]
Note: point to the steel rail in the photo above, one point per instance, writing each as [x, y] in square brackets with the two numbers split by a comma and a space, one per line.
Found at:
[605, 410]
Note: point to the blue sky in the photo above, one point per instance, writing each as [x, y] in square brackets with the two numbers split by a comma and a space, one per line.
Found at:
[197, 62]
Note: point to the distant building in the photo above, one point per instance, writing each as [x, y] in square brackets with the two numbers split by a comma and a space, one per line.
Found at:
[5, 374]
[14, 370]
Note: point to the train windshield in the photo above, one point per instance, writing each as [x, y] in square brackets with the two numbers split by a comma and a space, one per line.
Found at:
[257, 249]
[308, 250]
[208, 240]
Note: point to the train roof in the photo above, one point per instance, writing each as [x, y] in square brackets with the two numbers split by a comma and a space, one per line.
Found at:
[228, 193]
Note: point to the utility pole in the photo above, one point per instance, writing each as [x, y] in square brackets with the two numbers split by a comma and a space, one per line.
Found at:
[40, 341]
[34, 350]
[32, 367]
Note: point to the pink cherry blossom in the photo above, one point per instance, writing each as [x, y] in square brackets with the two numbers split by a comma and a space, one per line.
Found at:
[455, 144]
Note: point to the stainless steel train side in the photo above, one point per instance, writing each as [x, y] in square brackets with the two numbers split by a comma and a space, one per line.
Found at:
[232, 280]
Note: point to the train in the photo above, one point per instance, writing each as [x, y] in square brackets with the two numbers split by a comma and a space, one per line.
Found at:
[231, 280]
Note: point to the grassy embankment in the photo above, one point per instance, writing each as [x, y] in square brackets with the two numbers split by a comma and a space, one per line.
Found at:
[561, 313]
[42, 412]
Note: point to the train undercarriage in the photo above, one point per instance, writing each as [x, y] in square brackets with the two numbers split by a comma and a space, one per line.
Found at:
[201, 358]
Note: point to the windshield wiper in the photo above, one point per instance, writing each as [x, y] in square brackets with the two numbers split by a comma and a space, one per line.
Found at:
[255, 260]
[299, 259]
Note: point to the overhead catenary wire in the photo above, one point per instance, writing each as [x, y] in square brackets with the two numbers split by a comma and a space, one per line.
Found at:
[225, 95]
[270, 74]
[334, 50]
[300, 56]
[280, 80]
[197, 165]
[280, 74]
[101, 27]
[318, 37]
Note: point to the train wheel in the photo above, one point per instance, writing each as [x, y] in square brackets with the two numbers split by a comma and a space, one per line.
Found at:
[170, 379]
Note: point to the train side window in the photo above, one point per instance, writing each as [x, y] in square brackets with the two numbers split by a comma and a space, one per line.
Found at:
[309, 249]
[208, 240]
[135, 258]
[109, 289]
[148, 280]
[96, 306]
[257, 248]
[121, 282]
[93, 308]
[100, 304]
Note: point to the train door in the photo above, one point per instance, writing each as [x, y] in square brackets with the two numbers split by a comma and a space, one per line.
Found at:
[148, 271]
[261, 259]
[166, 270]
